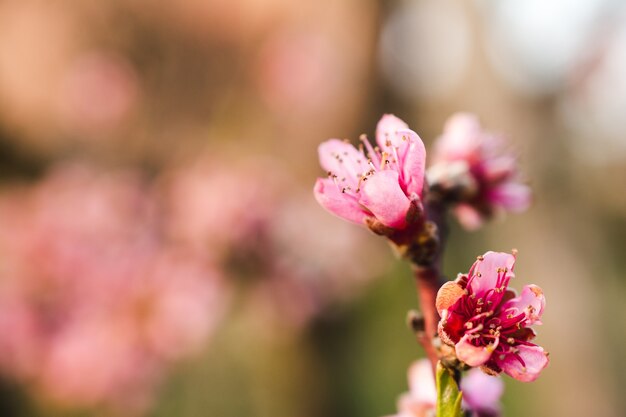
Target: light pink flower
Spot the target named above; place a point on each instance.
(481, 393)
(471, 162)
(488, 324)
(382, 185)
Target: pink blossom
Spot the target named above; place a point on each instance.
(488, 324)
(472, 163)
(383, 185)
(481, 393)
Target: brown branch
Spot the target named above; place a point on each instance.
(428, 283)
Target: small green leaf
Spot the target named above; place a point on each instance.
(448, 394)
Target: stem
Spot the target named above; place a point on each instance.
(428, 283)
(428, 280)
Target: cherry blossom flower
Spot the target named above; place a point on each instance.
(481, 393)
(488, 324)
(472, 168)
(383, 186)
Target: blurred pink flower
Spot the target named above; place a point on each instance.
(85, 276)
(471, 162)
(97, 92)
(297, 71)
(488, 324)
(214, 207)
(421, 399)
(481, 393)
(382, 186)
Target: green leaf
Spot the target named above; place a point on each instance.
(448, 394)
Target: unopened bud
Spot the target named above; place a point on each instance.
(415, 321)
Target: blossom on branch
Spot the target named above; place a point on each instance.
(472, 171)
(381, 187)
(489, 325)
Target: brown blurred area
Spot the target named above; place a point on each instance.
(243, 92)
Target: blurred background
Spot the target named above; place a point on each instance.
(161, 253)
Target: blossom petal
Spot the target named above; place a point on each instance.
(343, 205)
(381, 194)
(512, 196)
(460, 139)
(422, 382)
(481, 392)
(413, 161)
(486, 271)
(386, 130)
(473, 355)
(343, 160)
(468, 216)
(531, 302)
(535, 360)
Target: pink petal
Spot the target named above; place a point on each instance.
(343, 160)
(381, 194)
(531, 302)
(410, 407)
(499, 168)
(460, 139)
(473, 355)
(386, 130)
(481, 391)
(535, 360)
(413, 161)
(485, 270)
(511, 196)
(422, 382)
(340, 204)
(468, 216)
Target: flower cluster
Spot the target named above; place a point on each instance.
(474, 173)
(488, 325)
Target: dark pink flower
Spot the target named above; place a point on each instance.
(488, 324)
(382, 184)
(471, 163)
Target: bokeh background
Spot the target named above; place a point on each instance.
(161, 253)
